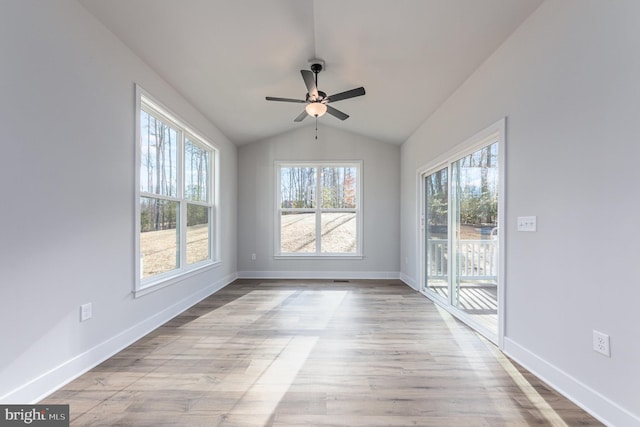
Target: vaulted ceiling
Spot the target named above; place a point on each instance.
(225, 56)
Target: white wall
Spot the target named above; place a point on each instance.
(381, 201)
(568, 82)
(67, 205)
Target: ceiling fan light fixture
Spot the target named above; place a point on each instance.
(316, 109)
(315, 99)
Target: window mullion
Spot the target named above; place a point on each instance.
(450, 230)
(183, 201)
(159, 196)
(318, 210)
(180, 169)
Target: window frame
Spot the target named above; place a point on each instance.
(142, 286)
(318, 210)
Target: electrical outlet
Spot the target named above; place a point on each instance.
(253, 257)
(85, 312)
(601, 343)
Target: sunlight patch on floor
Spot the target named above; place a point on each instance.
(537, 401)
(263, 396)
(527, 389)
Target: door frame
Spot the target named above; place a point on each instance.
(496, 132)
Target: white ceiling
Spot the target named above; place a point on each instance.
(225, 56)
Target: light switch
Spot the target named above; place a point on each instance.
(526, 223)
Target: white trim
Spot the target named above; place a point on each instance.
(172, 116)
(318, 210)
(501, 126)
(216, 215)
(409, 281)
(466, 147)
(316, 256)
(137, 267)
(164, 282)
(142, 286)
(361, 275)
(495, 131)
(52, 380)
(601, 407)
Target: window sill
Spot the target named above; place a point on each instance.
(155, 285)
(319, 257)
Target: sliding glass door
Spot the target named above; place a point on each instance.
(474, 215)
(461, 235)
(436, 221)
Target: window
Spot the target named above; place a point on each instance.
(176, 211)
(318, 209)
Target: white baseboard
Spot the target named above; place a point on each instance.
(409, 281)
(602, 408)
(50, 381)
(362, 275)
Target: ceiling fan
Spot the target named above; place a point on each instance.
(317, 100)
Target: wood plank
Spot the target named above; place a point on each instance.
(294, 353)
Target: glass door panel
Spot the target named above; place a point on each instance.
(474, 231)
(436, 229)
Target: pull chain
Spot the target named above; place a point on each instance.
(316, 128)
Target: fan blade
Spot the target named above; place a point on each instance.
(271, 98)
(310, 82)
(337, 113)
(346, 95)
(301, 116)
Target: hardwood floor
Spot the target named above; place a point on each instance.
(314, 353)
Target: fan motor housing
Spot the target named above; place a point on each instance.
(317, 64)
(321, 97)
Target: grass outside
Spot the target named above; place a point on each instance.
(160, 251)
(338, 235)
(338, 232)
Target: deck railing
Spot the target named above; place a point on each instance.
(476, 259)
